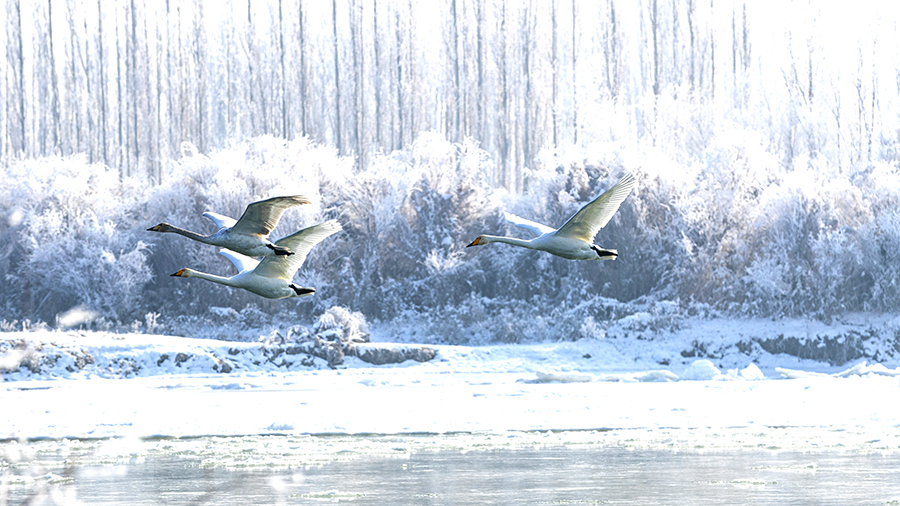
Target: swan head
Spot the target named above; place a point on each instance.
(162, 227)
(478, 241)
(182, 273)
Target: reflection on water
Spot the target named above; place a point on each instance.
(517, 468)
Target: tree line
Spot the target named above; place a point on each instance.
(126, 82)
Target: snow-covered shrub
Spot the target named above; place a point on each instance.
(346, 325)
(731, 231)
(73, 242)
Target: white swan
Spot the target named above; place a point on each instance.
(574, 240)
(272, 277)
(248, 235)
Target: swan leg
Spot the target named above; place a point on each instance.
(605, 254)
(280, 251)
(302, 291)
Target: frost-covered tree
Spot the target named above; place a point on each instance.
(126, 83)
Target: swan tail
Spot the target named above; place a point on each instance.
(605, 254)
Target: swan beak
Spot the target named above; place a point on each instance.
(476, 242)
(153, 229)
(180, 273)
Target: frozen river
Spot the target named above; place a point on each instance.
(498, 425)
(679, 466)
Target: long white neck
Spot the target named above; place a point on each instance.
(211, 277)
(190, 235)
(508, 240)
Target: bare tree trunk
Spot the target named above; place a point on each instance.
(230, 101)
(102, 87)
(134, 154)
(837, 118)
(87, 62)
(152, 98)
(554, 57)
(692, 49)
(74, 130)
(746, 40)
(453, 114)
(712, 62)
(528, 135)
(120, 107)
(676, 75)
(304, 128)
(19, 60)
(654, 26)
(400, 81)
(734, 49)
(160, 96)
(337, 81)
(258, 117)
(359, 82)
(379, 135)
(284, 88)
(54, 85)
(873, 102)
(574, 74)
(481, 110)
(202, 80)
(505, 115)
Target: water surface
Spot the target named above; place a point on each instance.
(509, 468)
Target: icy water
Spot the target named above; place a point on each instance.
(508, 468)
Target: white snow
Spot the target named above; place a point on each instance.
(702, 370)
(130, 391)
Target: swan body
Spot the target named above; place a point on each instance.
(271, 277)
(575, 239)
(248, 235)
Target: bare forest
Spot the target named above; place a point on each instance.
(766, 136)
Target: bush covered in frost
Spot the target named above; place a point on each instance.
(732, 231)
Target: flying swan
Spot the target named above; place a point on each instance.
(272, 277)
(248, 235)
(575, 239)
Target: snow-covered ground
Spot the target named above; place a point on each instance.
(135, 385)
(117, 417)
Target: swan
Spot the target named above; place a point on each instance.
(248, 235)
(573, 240)
(272, 277)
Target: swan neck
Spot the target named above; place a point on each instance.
(509, 240)
(190, 235)
(212, 277)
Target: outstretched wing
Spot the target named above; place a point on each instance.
(534, 227)
(261, 217)
(591, 218)
(300, 243)
(241, 262)
(220, 220)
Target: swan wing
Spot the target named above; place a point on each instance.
(300, 243)
(261, 217)
(220, 220)
(534, 227)
(241, 262)
(592, 217)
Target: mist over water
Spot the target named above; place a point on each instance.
(429, 470)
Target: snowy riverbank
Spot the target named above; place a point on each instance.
(177, 386)
(433, 398)
(95, 384)
(632, 347)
